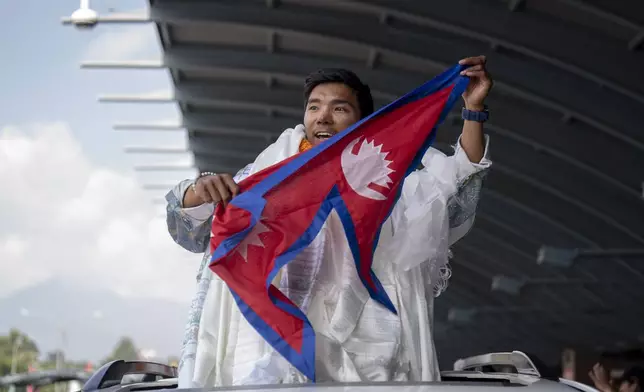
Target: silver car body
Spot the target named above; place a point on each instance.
(473, 374)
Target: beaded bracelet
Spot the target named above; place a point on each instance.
(204, 174)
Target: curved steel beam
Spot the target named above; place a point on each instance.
(387, 82)
(506, 332)
(465, 278)
(535, 320)
(478, 276)
(133, 127)
(229, 142)
(508, 264)
(486, 192)
(478, 295)
(196, 95)
(481, 336)
(457, 343)
(529, 182)
(484, 258)
(498, 249)
(571, 200)
(523, 328)
(123, 64)
(289, 65)
(231, 156)
(365, 32)
(494, 240)
(579, 184)
(119, 18)
(610, 180)
(537, 214)
(482, 14)
(510, 233)
(253, 125)
(155, 150)
(554, 223)
(497, 240)
(511, 230)
(578, 313)
(458, 295)
(603, 14)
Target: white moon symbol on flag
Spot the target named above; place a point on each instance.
(368, 166)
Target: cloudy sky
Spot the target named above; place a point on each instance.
(71, 207)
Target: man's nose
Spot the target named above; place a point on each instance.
(324, 116)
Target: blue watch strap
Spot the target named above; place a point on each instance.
(470, 115)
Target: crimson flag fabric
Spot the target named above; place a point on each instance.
(359, 173)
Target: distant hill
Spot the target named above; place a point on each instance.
(90, 322)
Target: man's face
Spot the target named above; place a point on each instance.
(331, 108)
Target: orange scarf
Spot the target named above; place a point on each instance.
(305, 145)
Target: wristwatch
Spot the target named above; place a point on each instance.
(471, 115)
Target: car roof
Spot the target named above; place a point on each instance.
(474, 382)
(469, 375)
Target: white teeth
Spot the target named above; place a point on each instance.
(323, 134)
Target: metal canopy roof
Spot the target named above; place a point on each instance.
(566, 127)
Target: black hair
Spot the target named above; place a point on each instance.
(344, 76)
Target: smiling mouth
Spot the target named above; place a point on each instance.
(323, 135)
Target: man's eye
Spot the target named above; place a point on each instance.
(313, 107)
(340, 109)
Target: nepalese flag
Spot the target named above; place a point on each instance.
(280, 210)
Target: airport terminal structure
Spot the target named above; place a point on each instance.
(556, 257)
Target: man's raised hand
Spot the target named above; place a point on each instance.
(480, 82)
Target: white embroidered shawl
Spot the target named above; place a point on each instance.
(357, 339)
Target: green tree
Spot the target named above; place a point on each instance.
(19, 347)
(125, 350)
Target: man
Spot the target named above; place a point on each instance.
(356, 338)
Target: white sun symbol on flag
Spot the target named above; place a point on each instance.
(368, 166)
(252, 238)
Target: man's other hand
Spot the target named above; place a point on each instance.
(211, 189)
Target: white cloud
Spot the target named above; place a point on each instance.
(64, 218)
(124, 43)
